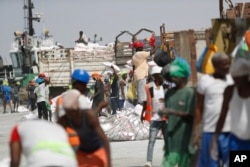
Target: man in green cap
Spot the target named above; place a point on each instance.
(179, 109)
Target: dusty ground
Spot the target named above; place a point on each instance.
(124, 154)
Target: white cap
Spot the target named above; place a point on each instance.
(155, 70)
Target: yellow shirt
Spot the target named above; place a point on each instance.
(139, 60)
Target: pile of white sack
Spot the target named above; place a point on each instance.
(124, 126)
(92, 46)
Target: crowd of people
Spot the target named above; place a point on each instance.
(200, 125)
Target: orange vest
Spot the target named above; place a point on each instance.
(74, 140)
(149, 108)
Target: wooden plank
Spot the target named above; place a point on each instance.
(192, 39)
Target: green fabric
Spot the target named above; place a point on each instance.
(48, 106)
(122, 73)
(179, 130)
(180, 68)
(243, 51)
(54, 146)
(175, 159)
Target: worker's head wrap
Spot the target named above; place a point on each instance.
(123, 72)
(179, 68)
(32, 82)
(70, 99)
(96, 76)
(5, 82)
(240, 67)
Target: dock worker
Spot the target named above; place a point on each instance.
(43, 143)
(210, 89)
(7, 96)
(41, 99)
(236, 102)
(82, 38)
(98, 96)
(140, 67)
(157, 123)
(179, 109)
(94, 146)
(15, 92)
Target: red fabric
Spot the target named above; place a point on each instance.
(42, 75)
(138, 44)
(14, 135)
(131, 72)
(152, 41)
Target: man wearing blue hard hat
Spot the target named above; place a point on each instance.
(94, 146)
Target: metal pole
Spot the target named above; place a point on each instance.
(221, 8)
(30, 19)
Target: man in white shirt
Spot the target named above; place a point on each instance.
(43, 144)
(236, 103)
(157, 122)
(41, 99)
(210, 91)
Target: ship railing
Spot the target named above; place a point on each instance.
(7, 74)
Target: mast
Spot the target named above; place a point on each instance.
(30, 18)
(28, 6)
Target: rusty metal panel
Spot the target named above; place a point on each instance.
(185, 44)
(193, 57)
(182, 44)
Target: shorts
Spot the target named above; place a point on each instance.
(236, 144)
(223, 151)
(7, 98)
(140, 90)
(16, 99)
(97, 158)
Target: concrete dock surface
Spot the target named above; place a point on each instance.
(124, 154)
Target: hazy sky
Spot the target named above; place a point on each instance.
(106, 18)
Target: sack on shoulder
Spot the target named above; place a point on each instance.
(163, 58)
